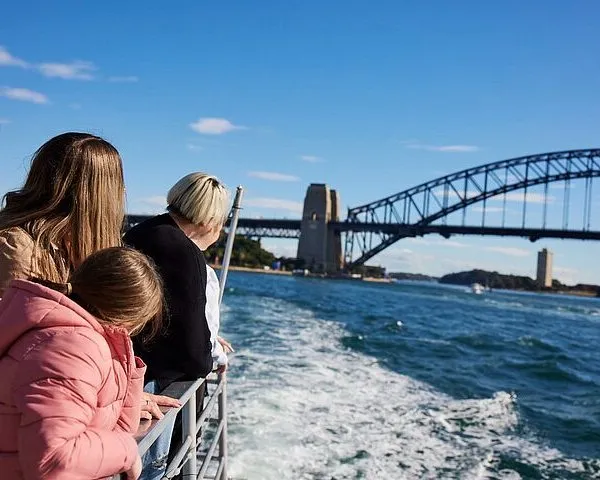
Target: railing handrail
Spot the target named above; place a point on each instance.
(185, 456)
(145, 435)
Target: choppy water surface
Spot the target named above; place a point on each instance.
(348, 380)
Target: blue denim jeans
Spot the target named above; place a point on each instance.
(154, 461)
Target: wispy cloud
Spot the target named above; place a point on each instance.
(75, 106)
(4, 121)
(23, 95)
(214, 126)
(76, 70)
(310, 158)
(192, 147)
(274, 176)
(275, 204)
(124, 79)
(8, 60)
(531, 197)
(442, 148)
(488, 209)
(68, 71)
(510, 251)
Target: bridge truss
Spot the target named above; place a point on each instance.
(255, 228)
(375, 226)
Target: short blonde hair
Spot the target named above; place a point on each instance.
(200, 199)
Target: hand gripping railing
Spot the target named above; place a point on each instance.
(185, 459)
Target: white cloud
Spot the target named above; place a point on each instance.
(310, 158)
(487, 209)
(214, 126)
(75, 106)
(275, 204)
(274, 176)
(23, 95)
(7, 60)
(69, 71)
(531, 197)
(4, 121)
(443, 148)
(510, 251)
(125, 79)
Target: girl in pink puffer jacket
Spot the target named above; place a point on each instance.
(71, 386)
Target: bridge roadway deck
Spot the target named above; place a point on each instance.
(267, 227)
(419, 230)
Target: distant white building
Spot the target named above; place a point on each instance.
(544, 268)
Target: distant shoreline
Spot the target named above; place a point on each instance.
(253, 270)
(288, 273)
(574, 293)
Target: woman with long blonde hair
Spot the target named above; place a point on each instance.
(71, 205)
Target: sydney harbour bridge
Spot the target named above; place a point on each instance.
(475, 201)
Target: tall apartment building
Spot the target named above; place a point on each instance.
(544, 268)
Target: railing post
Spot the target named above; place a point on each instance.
(188, 428)
(223, 418)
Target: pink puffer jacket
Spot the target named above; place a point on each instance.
(70, 389)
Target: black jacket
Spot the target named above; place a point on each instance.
(183, 350)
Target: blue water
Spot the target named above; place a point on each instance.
(344, 380)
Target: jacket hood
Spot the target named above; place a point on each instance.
(27, 306)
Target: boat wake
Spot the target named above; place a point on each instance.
(302, 406)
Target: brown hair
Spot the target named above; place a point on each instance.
(119, 286)
(72, 203)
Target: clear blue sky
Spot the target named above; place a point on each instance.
(277, 94)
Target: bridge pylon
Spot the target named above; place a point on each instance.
(320, 247)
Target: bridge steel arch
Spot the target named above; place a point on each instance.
(420, 206)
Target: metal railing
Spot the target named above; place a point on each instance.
(185, 458)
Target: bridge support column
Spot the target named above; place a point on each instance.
(319, 247)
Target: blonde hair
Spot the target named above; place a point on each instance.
(119, 286)
(200, 199)
(72, 203)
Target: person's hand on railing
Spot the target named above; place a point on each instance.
(227, 348)
(151, 405)
(135, 471)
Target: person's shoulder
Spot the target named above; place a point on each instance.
(159, 229)
(15, 238)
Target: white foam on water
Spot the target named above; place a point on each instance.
(302, 406)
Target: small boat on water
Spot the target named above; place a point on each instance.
(477, 288)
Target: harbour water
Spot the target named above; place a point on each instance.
(348, 380)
